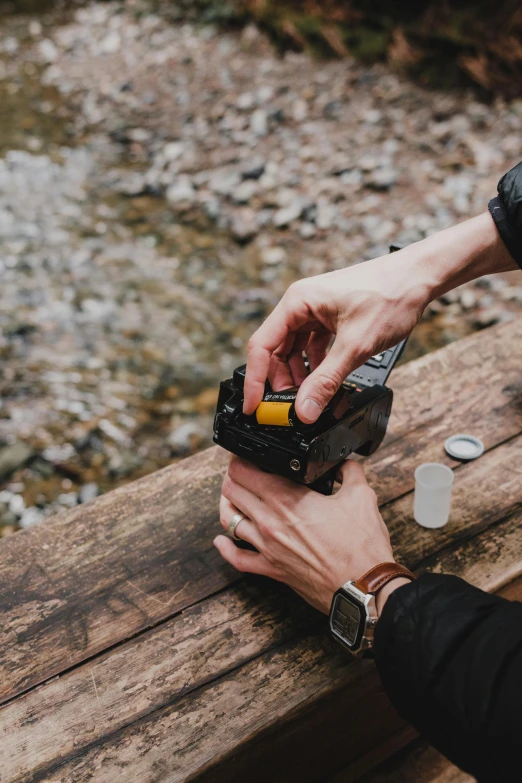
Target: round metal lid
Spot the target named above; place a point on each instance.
(464, 447)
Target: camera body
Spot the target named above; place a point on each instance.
(354, 421)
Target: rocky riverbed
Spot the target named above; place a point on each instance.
(161, 184)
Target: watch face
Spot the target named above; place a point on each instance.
(346, 620)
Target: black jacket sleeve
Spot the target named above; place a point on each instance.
(506, 210)
(450, 658)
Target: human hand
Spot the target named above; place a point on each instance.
(309, 541)
(368, 308)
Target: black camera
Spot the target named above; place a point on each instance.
(274, 438)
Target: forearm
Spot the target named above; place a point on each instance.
(456, 255)
(450, 658)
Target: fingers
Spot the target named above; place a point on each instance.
(290, 315)
(320, 386)
(287, 366)
(242, 559)
(246, 530)
(296, 360)
(271, 491)
(279, 373)
(241, 487)
(270, 335)
(317, 348)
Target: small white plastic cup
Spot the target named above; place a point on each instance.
(432, 499)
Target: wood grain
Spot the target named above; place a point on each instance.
(206, 642)
(473, 385)
(418, 763)
(174, 669)
(100, 573)
(224, 656)
(484, 492)
(96, 575)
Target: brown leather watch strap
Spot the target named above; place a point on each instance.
(378, 576)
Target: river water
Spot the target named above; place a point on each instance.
(160, 187)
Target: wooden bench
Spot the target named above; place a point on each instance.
(130, 652)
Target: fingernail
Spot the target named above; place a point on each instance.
(214, 542)
(311, 409)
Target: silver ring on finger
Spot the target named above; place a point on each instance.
(234, 522)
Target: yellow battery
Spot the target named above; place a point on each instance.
(276, 414)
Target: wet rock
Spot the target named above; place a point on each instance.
(326, 215)
(244, 225)
(468, 299)
(273, 255)
(111, 43)
(185, 438)
(48, 51)
(259, 122)
(246, 101)
(113, 432)
(17, 505)
(131, 185)
(244, 192)
(88, 492)
(368, 163)
(435, 307)
(42, 467)
(224, 182)
(181, 191)
(450, 297)
(124, 463)
(212, 208)
(172, 151)
(486, 302)
(381, 179)
(300, 110)
(512, 293)
(307, 231)
(67, 499)
(288, 214)
(253, 169)
(332, 110)
(486, 318)
(31, 516)
(14, 457)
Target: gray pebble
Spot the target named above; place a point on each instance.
(31, 516)
(253, 169)
(88, 492)
(287, 214)
(381, 179)
(244, 225)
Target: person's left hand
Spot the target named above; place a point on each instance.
(311, 542)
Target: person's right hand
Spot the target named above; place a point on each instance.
(368, 308)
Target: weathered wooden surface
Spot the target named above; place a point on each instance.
(173, 668)
(419, 763)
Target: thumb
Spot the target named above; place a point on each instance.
(320, 386)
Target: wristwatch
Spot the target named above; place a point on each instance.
(353, 615)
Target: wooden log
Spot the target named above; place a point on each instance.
(473, 385)
(484, 492)
(102, 572)
(201, 688)
(419, 763)
(96, 575)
